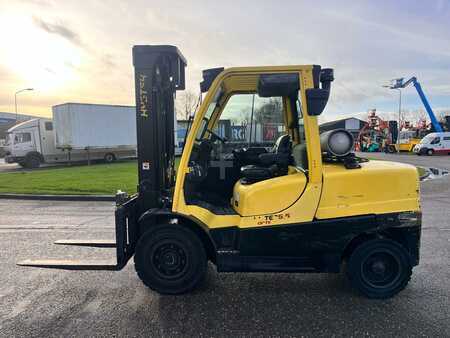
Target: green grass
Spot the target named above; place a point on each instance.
(102, 179)
(96, 179)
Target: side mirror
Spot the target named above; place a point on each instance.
(209, 75)
(317, 98)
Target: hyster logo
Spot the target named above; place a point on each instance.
(143, 96)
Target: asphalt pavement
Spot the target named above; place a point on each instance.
(8, 166)
(52, 303)
(435, 161)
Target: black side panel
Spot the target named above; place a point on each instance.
(314, 246)
(322, 241)
(305, 238)
(318, 245)
(232, 262)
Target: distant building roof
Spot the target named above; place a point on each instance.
(331, 123)
(352, 124)
(11, 117)
(7, 120)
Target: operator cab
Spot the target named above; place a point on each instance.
(251, 134)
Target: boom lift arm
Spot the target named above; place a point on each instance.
(399, 83)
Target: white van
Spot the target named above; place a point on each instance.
(434, 143)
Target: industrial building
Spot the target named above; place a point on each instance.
(7, 120)
(351, 124)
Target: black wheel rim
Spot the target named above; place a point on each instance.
(169, 259)
(381, 270)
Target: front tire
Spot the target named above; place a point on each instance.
(32, 161)
(430, 152)
(391, 149)
(379, 268)
(170, 259)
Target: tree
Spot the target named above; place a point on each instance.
(270, 112)
(243, 117)
(185, 105)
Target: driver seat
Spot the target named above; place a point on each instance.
(273, 164)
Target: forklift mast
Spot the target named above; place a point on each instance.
(159, 73)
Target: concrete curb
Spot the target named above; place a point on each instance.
(58, 197)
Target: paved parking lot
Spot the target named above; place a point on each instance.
(52, 303)
(7, 166)
(437, 161)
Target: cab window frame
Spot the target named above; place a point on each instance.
(216, 116)
(19, 137)
(436, 140)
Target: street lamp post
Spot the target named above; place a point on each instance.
(399, 109)
(15, 99)
(399, 113)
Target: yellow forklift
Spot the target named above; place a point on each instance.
(307, 204)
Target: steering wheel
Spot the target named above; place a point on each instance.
(217, 137)
(196, 172)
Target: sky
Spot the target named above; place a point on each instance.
(80, 51)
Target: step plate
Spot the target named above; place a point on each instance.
(94, 243)
(70, 264)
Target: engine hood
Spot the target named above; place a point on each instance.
(378, 187)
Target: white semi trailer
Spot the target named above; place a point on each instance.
(78, 132)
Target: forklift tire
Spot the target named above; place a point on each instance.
(170, 259)
(32, 161)
(379, 268)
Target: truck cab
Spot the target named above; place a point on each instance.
(30, 143)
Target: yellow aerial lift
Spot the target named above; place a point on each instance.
(306, 205)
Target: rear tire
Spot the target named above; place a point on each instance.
(430, 152)
(379, 268)
(170, 259)
(109, 158)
